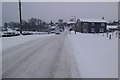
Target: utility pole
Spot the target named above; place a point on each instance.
(20, 17)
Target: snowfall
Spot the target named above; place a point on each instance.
(96, 54)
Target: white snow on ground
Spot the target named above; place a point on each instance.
(96, 55)
(8, 42)
(0, 58)
(119, 58)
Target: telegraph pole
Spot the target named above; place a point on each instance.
(20, 16)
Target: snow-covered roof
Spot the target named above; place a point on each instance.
(52, 27)
(92, 20)
(109, 26)
(71, 22)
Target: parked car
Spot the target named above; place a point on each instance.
(57, 31)
(10, 34)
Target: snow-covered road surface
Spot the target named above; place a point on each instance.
(49, 57)
(68, 55)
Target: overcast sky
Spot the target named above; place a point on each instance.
(48, 11)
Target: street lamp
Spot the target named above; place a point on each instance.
(20, 16)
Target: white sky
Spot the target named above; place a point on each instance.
(61, 0)
(55, 10)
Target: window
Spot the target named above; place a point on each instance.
(92, 24)
(102, 24)
(92, 30)
(85, 24)
(101, 30)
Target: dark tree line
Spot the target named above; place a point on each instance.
(32, 24)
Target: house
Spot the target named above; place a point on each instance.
(71, 24)
(91, 26)
(52, 29)
(112, 28)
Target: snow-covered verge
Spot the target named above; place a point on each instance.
(96, 55)
(119, 59)
(0, 58)
(8, 42)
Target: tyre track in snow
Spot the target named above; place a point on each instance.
(19, 55)
(47, 58)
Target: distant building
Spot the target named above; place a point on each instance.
(112, 28)
(91, 26)
(52, 29)
(71, 24)
(51, 24)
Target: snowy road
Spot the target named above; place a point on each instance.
(60, 56)
(49, 57)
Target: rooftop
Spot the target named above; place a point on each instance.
(71, 22)
(92, 20)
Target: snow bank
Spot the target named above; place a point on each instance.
(8, 42)
(96, 55)
(0, 58)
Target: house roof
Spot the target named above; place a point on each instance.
(92, 20)
(112, 27)
(52, 27)
(71, 22)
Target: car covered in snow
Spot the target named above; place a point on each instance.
(57, 32)
(10, 34)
